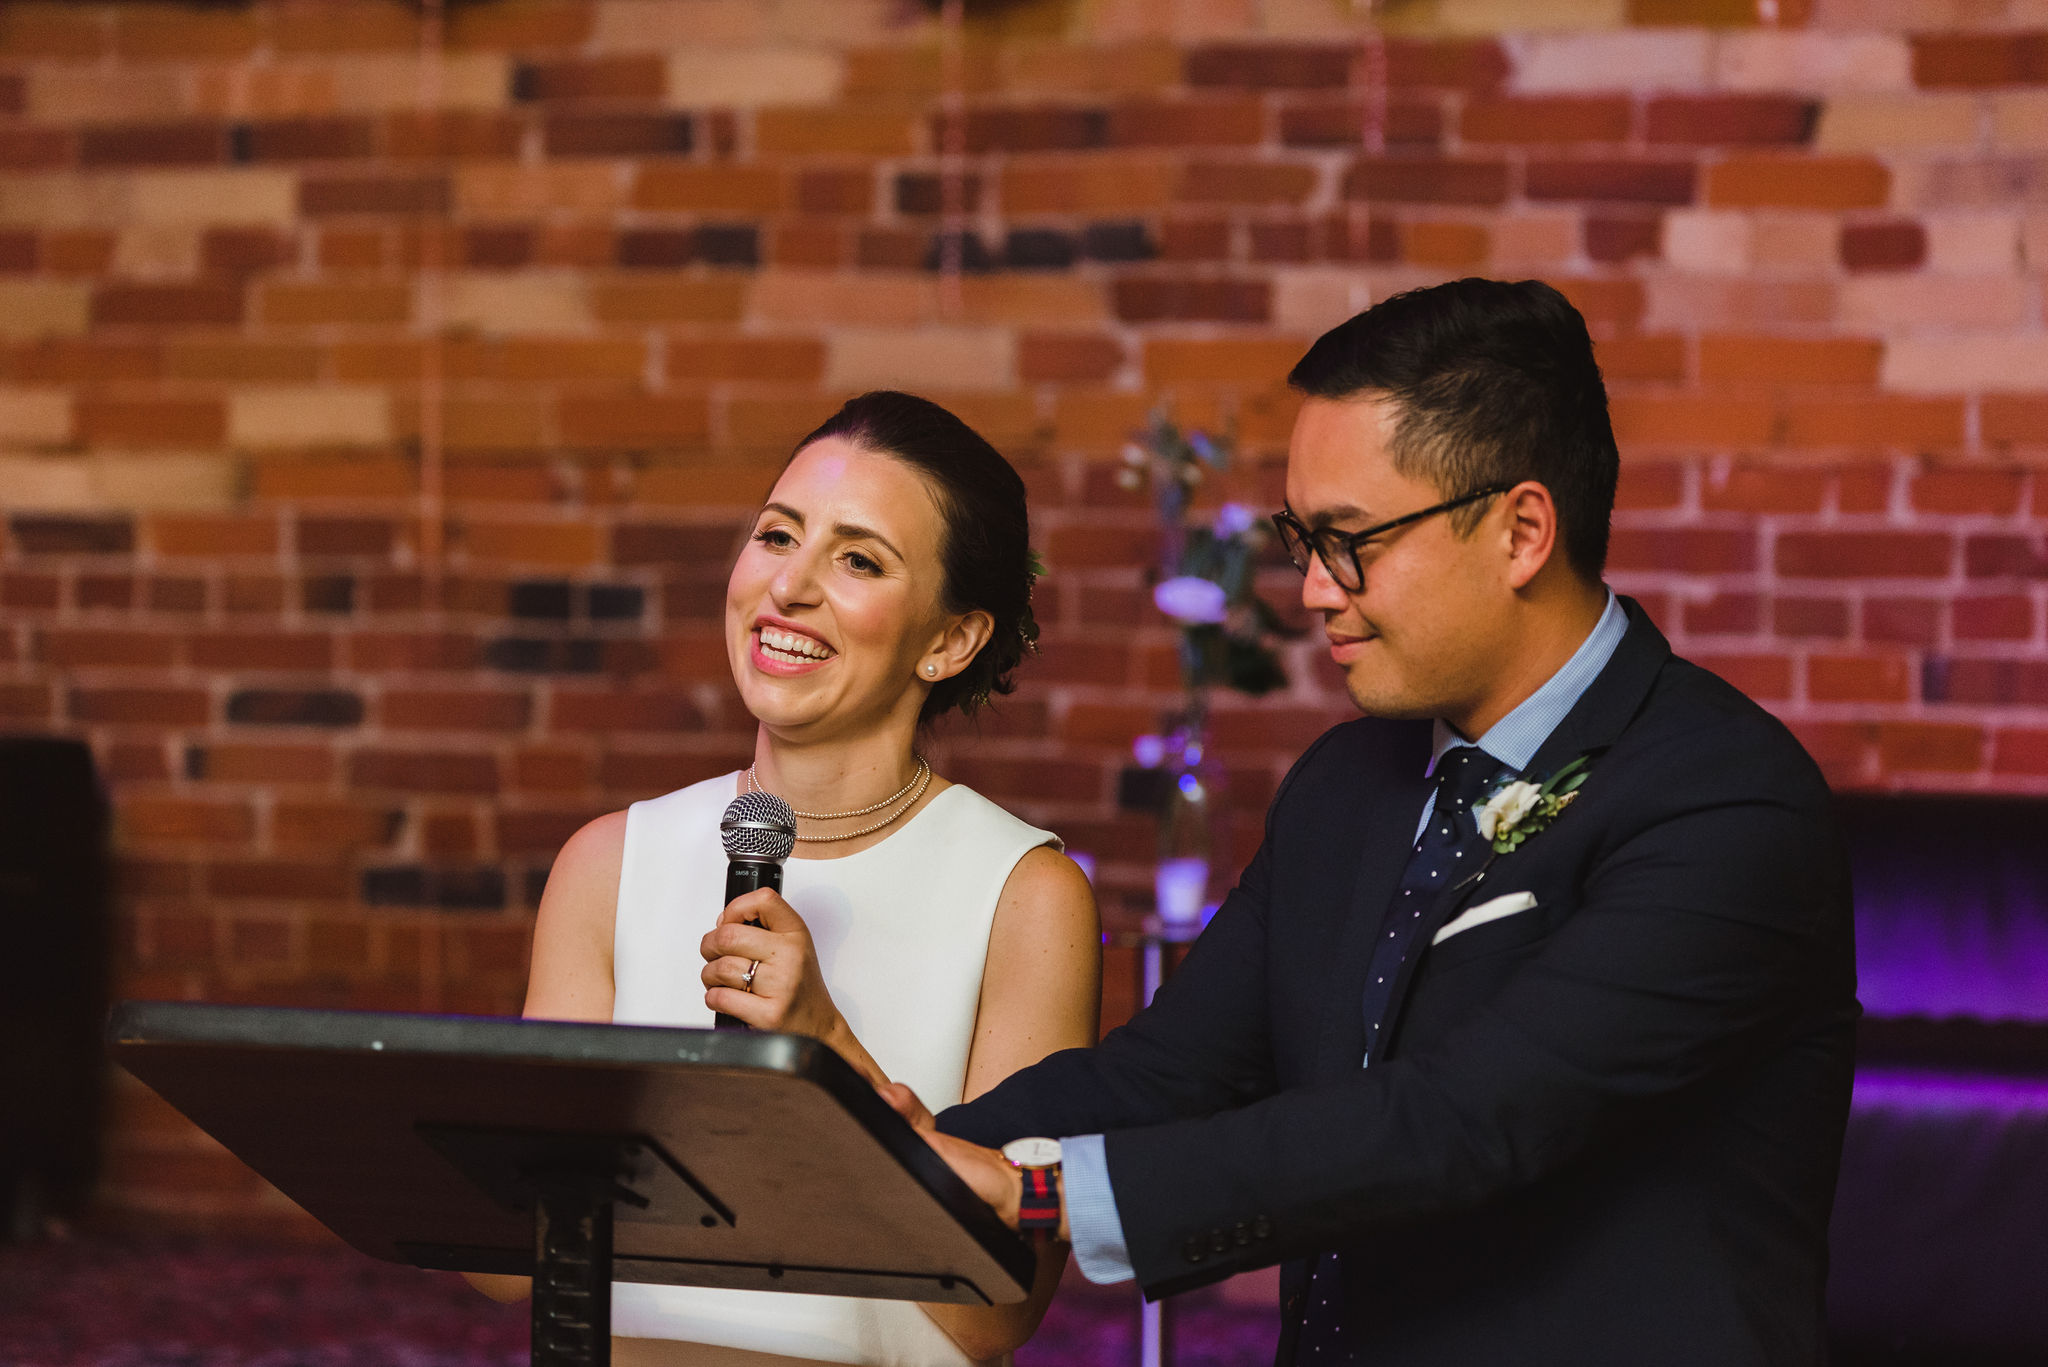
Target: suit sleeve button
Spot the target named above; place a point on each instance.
(1262, 1228)
(1219, 1240)
(1241, 1234)
(1192, 1249)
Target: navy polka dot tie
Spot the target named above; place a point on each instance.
(1448, 851)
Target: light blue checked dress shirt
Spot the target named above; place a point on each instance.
(1092, 1219)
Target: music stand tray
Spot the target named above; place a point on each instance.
(580, 1154)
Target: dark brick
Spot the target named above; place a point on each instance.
(919, 194)
(657, 248)
(616, 602)
(1053, 129)
(527, 655)
(305, 140)
(898, 249)
(153, 144)
(13, 92)
(729, 244)
(405, 886)
(72, 535)
(835, 192)
(1341, 123)
(1622, 237)
(295, 707)
(1899, 246)
(328, 593)
(410, 885)
(1283, 240)
(345, 536)
(548, 598)
(19, 251)
(1447, 64)
(36, 149)
(157, 304)
(1980, 59)
(1117, 242)
(427, 194)
(618, 135)
(1271, 66)
(1637, 182)
(1427, 181)
(243, 251)
(1039, 249)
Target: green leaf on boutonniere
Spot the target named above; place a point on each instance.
(1519, 808)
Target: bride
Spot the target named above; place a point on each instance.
(927, 935)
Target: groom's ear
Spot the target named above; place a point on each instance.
(1530, 531)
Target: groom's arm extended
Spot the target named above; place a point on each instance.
(1701, 941)
(1201, 1046)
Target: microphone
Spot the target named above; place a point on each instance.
(758, 831)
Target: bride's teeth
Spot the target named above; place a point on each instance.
(787, 643)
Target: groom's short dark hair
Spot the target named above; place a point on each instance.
(1494, 383)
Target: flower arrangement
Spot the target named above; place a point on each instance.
(1228, 632)
(1519, 809)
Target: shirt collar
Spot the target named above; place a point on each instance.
(1515, 738)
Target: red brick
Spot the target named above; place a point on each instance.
(1730, 120)
(317, 27)
(1213, 122)
(1452, 245)
(1989, 683)
(471, 709)
(2014, 419)
(1932, 746)
(1246, 182)
(230, 762)
(154, 33)
(157, 305)
(1419, 180)
(63, 32)
(1194, 239)
(1694, 550)
(23, 702)
(1271, 66)
(1994, 617)
(1154, 298)
(1340, 122)
(1606, 303)
(1457, 64)
(1691, 419)
(795, 360)
(1798, 183)
(1897, 246)
(31, 591)
(20, 251)
(2016, 751)
(1902, 621)
(1556, 118)
(172, 820)
(259, 650)
(618, 134)
(1765, 359)
(636, 76)
(1968, 491)
(238, 251)
(152, 422)
(1863, 489)
(522, 24)
(324, 303)
(321, 196)
(307, 139)
(453, 133)
(63, 361)
(276, 879)
(1616, 237)
(1660, 357)
(423, 771)
(86, 649)
(1865, 555)
(207, 534)
(1043, 128)
(1718, 13)
(2005, 557)
(1875, 423)
(1751, 488)
(1069, 357)
(1980, 59)
(1634, 182)
(37, 149)
(635, 422)
(1726, 614)
(1859, 678)
(1650, 484)
(146, 706)
(1246, 361)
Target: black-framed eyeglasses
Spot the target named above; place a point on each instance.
(1339, 550)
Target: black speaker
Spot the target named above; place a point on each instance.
(55, 938)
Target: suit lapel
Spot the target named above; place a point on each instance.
(1607, 706)
(1386, 837)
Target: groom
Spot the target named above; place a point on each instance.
(1544, 1074)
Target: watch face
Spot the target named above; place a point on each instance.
(1032, 1153)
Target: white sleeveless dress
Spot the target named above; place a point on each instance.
(901, 930)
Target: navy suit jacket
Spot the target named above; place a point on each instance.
(1604, 1131)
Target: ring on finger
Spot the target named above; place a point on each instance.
(748, 977)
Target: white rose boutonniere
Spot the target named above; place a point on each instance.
(1519, 808)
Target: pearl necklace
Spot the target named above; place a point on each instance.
(919, 781)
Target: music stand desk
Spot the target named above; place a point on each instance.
(579, 1154)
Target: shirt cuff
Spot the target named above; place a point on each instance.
(1096, 1229)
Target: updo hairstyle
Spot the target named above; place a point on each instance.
(985, 543)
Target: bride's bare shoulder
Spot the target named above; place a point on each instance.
(587, 867)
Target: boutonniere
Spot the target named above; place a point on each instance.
(1519, 809)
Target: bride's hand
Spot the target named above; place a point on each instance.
(788, 991)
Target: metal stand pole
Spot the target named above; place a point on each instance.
(1155, 1327)
(572, 1273)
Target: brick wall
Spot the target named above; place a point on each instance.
(379, 392)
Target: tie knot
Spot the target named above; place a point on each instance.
(1461, 776)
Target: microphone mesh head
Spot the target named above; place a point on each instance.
(758, 826)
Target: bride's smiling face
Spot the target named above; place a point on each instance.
(834, 602)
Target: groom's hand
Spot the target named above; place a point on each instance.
(988, 1173)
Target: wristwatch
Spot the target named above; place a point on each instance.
(1038, 1209)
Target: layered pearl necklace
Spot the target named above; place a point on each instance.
(912, 790)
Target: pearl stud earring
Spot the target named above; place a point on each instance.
(932, 670)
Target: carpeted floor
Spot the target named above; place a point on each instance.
(99, 1302)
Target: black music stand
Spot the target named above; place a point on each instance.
(579, 1154)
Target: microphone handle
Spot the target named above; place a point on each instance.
(743, 876)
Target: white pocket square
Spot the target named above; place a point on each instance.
(1484, 912)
